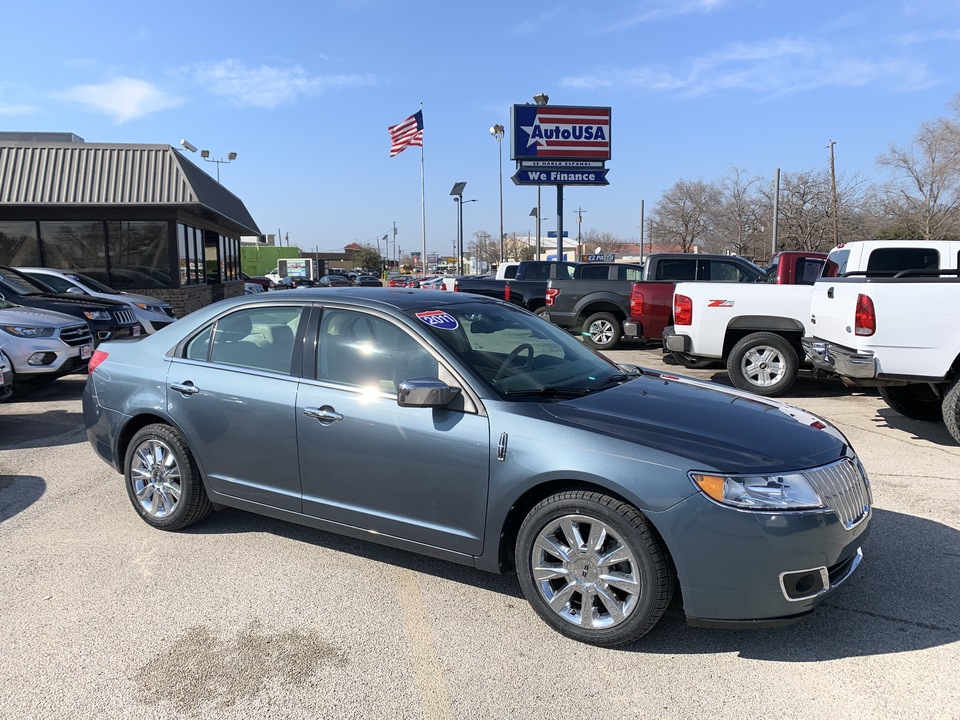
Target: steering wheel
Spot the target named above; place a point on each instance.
(508, 361)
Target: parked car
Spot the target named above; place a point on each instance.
(250, 288)
(368, 281)
(150, 312)
(399, 280)
(334, 280)
(41, 343)
(6, 378)
(107, 319)
(604, 487)
(263, 281)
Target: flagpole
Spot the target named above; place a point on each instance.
(423, 212)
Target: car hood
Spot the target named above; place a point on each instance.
(714, 426)
(36, 316)
(75, 300)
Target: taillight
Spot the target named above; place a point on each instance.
(551, 294)
(98, 357)
(506, 292)
(682, 310)
(865, 323)
(636, 302)
(456, 286)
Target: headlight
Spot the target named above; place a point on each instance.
(96, 314)
(150, 308)
(28, 332)
(760, 492)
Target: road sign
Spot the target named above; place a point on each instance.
(560, 176)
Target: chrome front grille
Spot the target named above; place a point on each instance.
(76, 335)
(844, 488)
(125, 317)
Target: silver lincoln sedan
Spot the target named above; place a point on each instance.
(606, 489)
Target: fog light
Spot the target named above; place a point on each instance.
(42, 358)
(804, 584)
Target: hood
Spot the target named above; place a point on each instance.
(36, 316)
(76, 300)
(713, 426)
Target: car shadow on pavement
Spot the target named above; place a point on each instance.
(904, 597)
(18, 492)
(932, 431)
(36, 429)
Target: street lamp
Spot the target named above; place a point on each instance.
(205, 154)
(541, 98)
(497, 132)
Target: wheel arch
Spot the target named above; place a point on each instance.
(521, 507)
(597, 306)
(137, 423)
(787, 328)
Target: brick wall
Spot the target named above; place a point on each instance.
(193, 297)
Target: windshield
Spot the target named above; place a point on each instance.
(517, 353)
(93, 284)
(21, 284)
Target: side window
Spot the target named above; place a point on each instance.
(255, 338)
(633, 274)
(722, 271)
(367, 351)
(594, 272)
(889, 261)
(679, 269)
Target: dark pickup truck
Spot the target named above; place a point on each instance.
(528, 289)
(107, 319)
(605, 310)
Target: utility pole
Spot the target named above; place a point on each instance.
(579, 211)
(836, 204)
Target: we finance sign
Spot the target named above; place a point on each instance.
(549, 132)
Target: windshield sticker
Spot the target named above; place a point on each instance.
(439, 319)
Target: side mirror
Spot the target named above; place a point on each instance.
(76, 290)
(425, 392)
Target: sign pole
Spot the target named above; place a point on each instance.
(559, 223)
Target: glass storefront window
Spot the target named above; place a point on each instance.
(190, 255)
(74, 245)
(18, 244)
(138, 254)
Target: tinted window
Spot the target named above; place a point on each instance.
(889, 261)
(723, 271)
(808, 270)
(676, 269)
(594, 272)
(367, 351)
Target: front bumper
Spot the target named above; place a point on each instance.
(833, 358)
(772, 568)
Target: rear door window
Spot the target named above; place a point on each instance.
(890, 261)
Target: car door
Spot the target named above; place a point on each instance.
(420, 474)
(232, 388)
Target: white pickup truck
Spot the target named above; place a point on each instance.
(893, 325)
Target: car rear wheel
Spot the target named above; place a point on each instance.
(162, 479)
(763, 363)
(917, 402)
(602, 331)
(592, 568)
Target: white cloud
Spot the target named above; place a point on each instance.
(268, 87)
(774, 67)
(14, 110)
(123, 98)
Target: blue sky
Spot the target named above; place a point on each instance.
(304, 92)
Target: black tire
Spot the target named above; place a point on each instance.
(692, 363)
(951, 410)
(541, 311)
(763, 363)
(162, 479)
(602, 331)
(917, 402)
(638, 600)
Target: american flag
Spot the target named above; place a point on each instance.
(408, 132)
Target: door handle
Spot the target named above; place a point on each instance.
(187, 388)
(326, 414)
(830, 293)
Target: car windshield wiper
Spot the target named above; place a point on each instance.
(612, 380)
(550, 391)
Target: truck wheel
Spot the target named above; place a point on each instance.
(763, 363)
(951, 410)
(602, 331)
(917, 402)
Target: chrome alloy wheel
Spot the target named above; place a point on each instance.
(155, 478)
(763, 366)
(585, 572)
(601, 332)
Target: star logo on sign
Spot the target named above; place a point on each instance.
(539, 142)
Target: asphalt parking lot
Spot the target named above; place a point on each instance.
(245, 617)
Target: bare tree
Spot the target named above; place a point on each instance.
(607, 242)
(740, 219)
(515, 248)
(924, 193)
(685, 214)
(483, 248)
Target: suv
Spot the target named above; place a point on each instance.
(152, 313)
(107, 319)
(41, 343)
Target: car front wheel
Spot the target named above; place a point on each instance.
(162, 479)
(592, 568)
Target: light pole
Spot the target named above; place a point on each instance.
(205, 154)
(497, 132)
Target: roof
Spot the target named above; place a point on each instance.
(107, 174)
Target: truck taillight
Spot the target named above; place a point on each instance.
(636, 302)
(456, 286)
(506, 292)
(682, 310)
(551, 294)
(865, 323)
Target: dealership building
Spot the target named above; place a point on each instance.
(141, 218)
